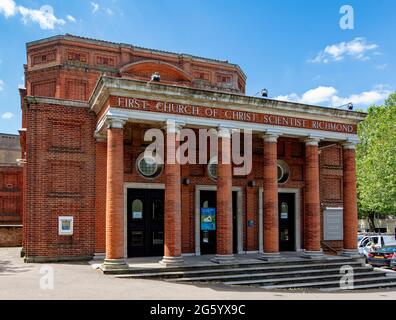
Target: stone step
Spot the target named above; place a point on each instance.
(268, 275)
(376, 285)
(246, 269)
(359, 283)
(240, 264)
(301, 280)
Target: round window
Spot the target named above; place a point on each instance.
(148, 167)
(283, 171)
(212, 168)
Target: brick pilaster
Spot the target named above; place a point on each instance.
(350, 199)
(224, 245)
(172, 223)
(312, 198)
(115, 197)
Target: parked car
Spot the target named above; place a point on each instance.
(374, 242)
(382, 257)
(393, 262)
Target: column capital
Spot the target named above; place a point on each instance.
(271, 136)
(172, 126)
(349, 144)
(100, 137)
(115, 123)
(312, 141)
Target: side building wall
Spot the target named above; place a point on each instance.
(60, 181)
(10, 206)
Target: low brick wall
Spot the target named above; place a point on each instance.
(10, 236)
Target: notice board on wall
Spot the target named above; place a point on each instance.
(333, 226)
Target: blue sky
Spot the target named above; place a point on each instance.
(294, 48)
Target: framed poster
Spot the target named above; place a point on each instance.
(208, 219)
(65, 227)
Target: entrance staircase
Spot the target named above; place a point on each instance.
(323, 274)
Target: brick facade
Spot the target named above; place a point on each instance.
(72, 168)
(11, 191)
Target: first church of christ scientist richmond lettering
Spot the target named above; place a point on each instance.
(229, 114)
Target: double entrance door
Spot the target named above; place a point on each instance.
(208, 222)
(145, 222)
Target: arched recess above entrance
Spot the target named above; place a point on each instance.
(143, 70)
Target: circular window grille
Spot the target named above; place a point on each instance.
(148, 167)
(283, 171)
(212, 168)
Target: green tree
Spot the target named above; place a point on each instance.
(376, 161)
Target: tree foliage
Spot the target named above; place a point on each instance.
(376, 160)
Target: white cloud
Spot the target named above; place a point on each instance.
(8, 8)
(320, 94)
(70, 18)
(327, 96)
(382, 66)
(7, 116)
(95, 7)
(44, 16)
(1, 85)
(358, 49)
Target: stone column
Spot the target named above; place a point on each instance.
(312, 247)
(350, 200)
(224, 238)
(271, 214)
(115, 256)
(172, 221)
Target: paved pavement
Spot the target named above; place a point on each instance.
(80, 281)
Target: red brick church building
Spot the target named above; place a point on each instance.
(90, 191)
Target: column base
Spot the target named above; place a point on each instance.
(352, 253)
(313, 254)
(99, 256)
(224, 259)
(269, 256)
(172, 261)
(114, 265)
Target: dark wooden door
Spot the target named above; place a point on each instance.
(208, 237)
(287, 222)
(145, 222)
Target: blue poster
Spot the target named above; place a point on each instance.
(208, 219)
